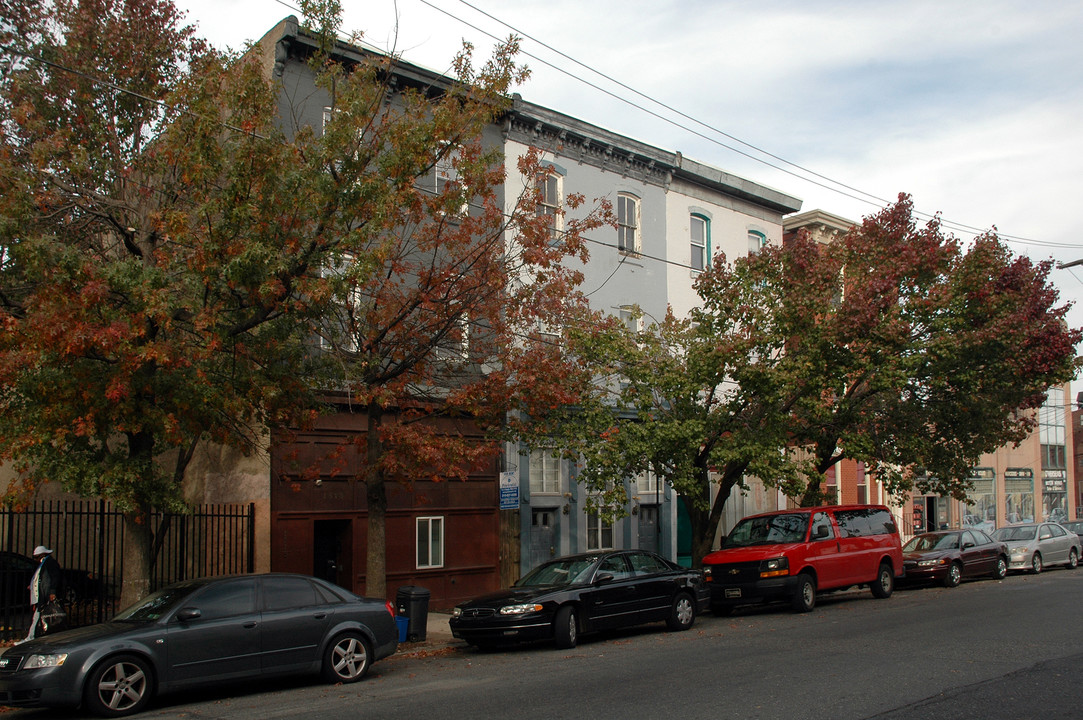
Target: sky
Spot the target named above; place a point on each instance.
(973, 108)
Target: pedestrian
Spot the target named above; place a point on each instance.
(44, 585)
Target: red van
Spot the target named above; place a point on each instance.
(794, 554)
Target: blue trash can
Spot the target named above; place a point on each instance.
(404, 626)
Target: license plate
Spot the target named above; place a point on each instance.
(733, 592)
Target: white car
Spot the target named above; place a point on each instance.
(1034, 545)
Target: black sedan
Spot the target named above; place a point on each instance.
(199, 632)
(583, 593)
(948, 556)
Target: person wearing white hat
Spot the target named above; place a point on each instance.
(43, 586)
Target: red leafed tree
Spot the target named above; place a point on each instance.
(171, 247)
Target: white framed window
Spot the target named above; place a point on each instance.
(699, 235)
(599, 533)
(628, 236)
(544, 472)
(430, 542)
(646, 483)
(550, 191)
(445, 170)
(756, 241)
(629, 318)
(338, 329)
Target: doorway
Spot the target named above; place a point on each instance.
(332, 552)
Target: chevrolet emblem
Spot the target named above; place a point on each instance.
(734, 571)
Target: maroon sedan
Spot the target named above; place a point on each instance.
(948, 556)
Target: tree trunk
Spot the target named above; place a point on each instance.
(136, 556)
(376, 494)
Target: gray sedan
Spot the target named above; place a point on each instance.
(199, 632)
(1032, 546)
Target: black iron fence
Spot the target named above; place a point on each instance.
(87, 536)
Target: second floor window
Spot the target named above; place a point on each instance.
(698, 238)
(628, 223)
(544, 471)
(756, 241)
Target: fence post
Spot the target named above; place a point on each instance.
(251, 537)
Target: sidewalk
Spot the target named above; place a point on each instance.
(437, 637)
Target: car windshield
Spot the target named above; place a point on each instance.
(932, 542)
(1075, 526)
(559, 572)
(1016, 533)
(769, 530)
(157, 604)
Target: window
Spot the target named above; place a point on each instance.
(599, 533)
(821, 527)
(455, 345)
(544, 471)
(615, 566)
(647, 483)
(338, 328)
(228, 599)
(699, 232)
(647, 564)
(445, 171)
(853, 523)
(430, 542)
(628, 223)
(629, 318)
(446, 180)
(756, 241)
(549, 190)
(283, 593)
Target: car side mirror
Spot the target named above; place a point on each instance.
(603, 577)
(967, 545)
(189, 613)
(819, 533)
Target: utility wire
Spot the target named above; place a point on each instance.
(835, 185)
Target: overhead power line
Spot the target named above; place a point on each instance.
(823, 181)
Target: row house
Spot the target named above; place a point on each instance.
(674, 217)
(457, 539)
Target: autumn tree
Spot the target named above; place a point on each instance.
(174, 250)
(459, 312)
(896, 347)
(942, 352)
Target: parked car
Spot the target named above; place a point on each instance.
(1036, 545)
(794, 554)
(948, 556)
(16, 570)
(199, 632)
(564, 598)
(1075, 526)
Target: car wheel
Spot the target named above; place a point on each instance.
(885, 582)
(565, 631)
(682, 614)
(346, 659)
(953, 576)
(1001, 570)
(1036, 563)
(1073, 559)
(804, 596)
(121, 685)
